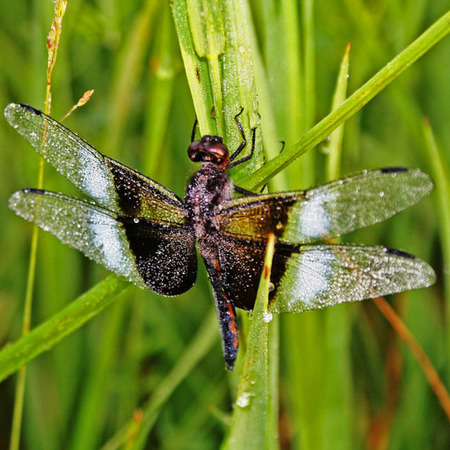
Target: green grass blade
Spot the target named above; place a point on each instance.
(45, 336)
(309, 65)
(196, 69)
(334, 149)
(239, 84)
(161, 84)
(252, 424)
(206, 24)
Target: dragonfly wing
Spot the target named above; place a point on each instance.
(317, 276)
(110, 183)
(326, 211)
(151, 255)
(308, 277)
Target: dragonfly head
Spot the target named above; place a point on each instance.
(209, 149)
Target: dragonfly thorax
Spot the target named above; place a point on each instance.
(207, 188)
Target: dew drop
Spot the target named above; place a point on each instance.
(243, 400)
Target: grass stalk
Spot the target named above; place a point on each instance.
(52, 46)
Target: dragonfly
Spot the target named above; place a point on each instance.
(140, 230)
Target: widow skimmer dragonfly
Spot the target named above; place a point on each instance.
(142, 231)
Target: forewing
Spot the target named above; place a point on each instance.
(108, 182)
(326, 211)
(316, 276)
(155, 256)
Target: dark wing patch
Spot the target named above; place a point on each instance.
(165, 256)
(139, 196)
(241, 263)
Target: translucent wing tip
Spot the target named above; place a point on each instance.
(25, 202)
(14, 200)
(420, 181)
(421, 274)
(11, 113)
(423, 180)
(15, 112)
(427, 275)
(17, 202)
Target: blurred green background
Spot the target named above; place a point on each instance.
(346, 380)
